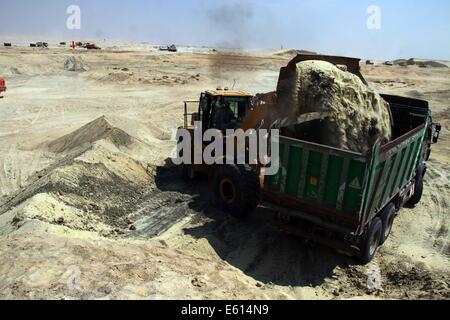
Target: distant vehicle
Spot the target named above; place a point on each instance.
(2, 86)
(33, 45)
(7, 44)
(42, 44)
(79, 44)
(62, 43)
(369, 62)
(91, 46)
(172, 48)
(388, 63)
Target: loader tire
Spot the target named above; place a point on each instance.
(387, 217)
(236, 189)
(371, 241)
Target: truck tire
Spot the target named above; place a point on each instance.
(371, 241)
(387, 217)
(418, 190)
(236, 189)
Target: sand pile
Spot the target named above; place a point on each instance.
(96, 130)
(352, 115)
(431, 64)
(124, 76)
(99, 184)
(47, 208)
(75, 64)
(92, 190)
(139, 141)
(422, 64)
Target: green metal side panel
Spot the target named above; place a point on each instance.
(344, 181)
(313, 176)
(392, 174)
(388, 169)
(333, 180)
(412, 160)
(295, 156)
(273, 183)
(355, 180)
(399, 172)
(319, 175)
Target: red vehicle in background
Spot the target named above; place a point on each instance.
(2, 86)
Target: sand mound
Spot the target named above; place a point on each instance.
(75, 64)
(431, 64)
(139, 141)
(49, 209)
(94, 131)
(422, 64)
(98, 185)
(13, 71)
(124, 76)
(352, 115)
(94, 190)
(118, 77)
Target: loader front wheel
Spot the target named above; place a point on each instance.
(236, 189)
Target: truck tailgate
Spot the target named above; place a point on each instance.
(319, 180)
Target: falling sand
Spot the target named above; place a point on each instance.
(351, 115)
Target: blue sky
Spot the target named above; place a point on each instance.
(418, 28)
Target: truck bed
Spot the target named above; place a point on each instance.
(343, 190)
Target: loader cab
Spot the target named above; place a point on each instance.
(223, 109)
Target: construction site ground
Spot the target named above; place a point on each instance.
(91, 207)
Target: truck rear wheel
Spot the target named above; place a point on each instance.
(418, 190)
(371, 241)
(387, 218)
(236, 189)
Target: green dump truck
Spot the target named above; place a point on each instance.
(348, 200)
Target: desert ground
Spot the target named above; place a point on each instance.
(91, 207)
